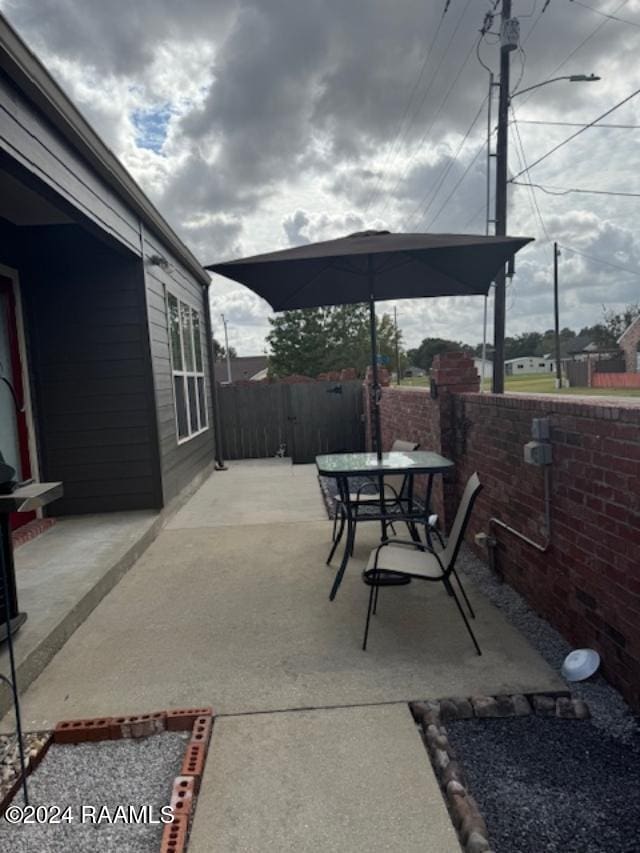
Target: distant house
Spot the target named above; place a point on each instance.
(529, 364)
(244, 368)
(412, 370)
(579, 348)
(629, 342)
(104, 326)
(488, 367)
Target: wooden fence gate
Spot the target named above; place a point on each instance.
(307, 418)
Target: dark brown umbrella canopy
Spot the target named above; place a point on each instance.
(374, 265)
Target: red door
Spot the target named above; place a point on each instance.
(14, 433)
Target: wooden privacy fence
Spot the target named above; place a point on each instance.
(307, 418)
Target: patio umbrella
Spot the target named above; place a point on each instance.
(370, 266)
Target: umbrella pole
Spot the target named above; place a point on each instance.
(374, 361)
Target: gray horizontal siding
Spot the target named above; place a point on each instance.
(31, 140)
(92, 372)
(180, 463)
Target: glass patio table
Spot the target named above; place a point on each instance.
(342, 466)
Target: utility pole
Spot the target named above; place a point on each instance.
(226, 347)
(395, 320)
(556, 255)
(506, 46)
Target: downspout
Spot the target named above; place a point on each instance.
(217, 426)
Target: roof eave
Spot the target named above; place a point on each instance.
(24, 67)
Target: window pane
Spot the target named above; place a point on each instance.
(185, 315)
(174, 332)
(193, 404)
(195, 321)
(181, 406)
(203, 402)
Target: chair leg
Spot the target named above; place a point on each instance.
(448, 587)
(372, 589)
(464, 595)
(335, 524)
(375, 599)
(466, 621)
(337, 538)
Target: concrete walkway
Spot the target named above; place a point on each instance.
(315, 748)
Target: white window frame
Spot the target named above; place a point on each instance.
(185, 374)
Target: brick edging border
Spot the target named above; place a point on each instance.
(431, 714)
(185, 785)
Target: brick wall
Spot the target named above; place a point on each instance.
(587, 584)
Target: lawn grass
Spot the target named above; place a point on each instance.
(536, 383)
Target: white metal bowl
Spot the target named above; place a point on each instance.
(580, 664)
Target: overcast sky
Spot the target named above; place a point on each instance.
(258, 125)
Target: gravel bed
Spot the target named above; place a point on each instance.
(131, 772)
(561, 786)
(609, 711)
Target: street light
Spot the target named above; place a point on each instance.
(497, 385)
(572, 78)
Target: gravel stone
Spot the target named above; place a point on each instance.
(544, 783)
(109, 773)
(609, 711)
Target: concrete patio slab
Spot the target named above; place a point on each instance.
(63, 574)
(350, 779)
(255, 491)
(239, 617)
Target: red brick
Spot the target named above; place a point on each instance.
(182, 719)
(182, 795)
(174, 835)
(201, 731)
(78, 731)
(194, 761)
(138, 725)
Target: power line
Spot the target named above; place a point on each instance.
(416, 85)
(604, 14)
(599, 260)
(525, 168)
(457, 184)
(576, 49)
(579, 124)
(443, 175)
(577, 133)
(562, 191)
(439, 109)
(584, 41)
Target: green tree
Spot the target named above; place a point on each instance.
(616, 323)
(423, 355)
(219, 351)
(316, 340)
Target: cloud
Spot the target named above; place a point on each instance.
(255, 125)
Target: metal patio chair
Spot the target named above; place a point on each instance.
(415, 560)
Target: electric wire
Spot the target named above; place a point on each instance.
(560, 191)
(400, 132)
(455, 187)
(599, 260)
(445, 171)
(576, 49)
(435, 116)
(523, 163)
(577, 133)
(579, 124)
(604, 14)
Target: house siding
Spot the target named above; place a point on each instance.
(30, 140)
(91, 371)
(180, 463)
